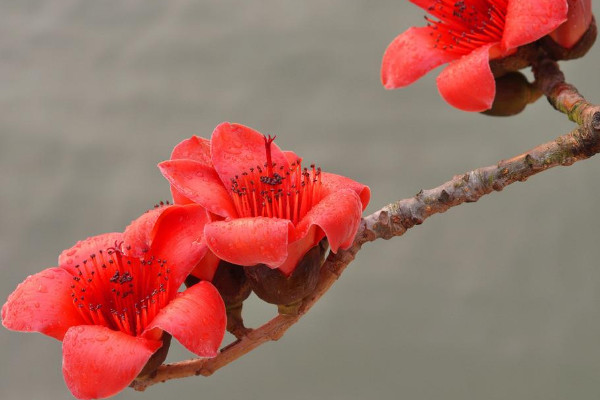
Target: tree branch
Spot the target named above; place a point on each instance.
(395, 218)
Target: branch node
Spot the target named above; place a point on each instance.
(596, 121)
(444, 197)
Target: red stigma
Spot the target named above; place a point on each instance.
(463, 26)
(268, 141)
(277, 191)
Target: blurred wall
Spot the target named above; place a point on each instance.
(492, 300)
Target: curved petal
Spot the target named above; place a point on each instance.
(236, 148)
(82, 250)
(333, 183)
(578, 21)
(179, 198)
(250, 241)
(529, 20)
(424, 4)
(206, 268)
(410, 56)
(137, 235)
(299, 248)
(99, 362)
(199, 183)
(195, 148)
(468, 83)
(177, 238)
(42, 303)
(338, 215)
(292, 157)
(196, 318)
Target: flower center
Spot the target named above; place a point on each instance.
(120, 292)
(463, 26)
(276, 191)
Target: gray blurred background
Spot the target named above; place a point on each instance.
(492, 300)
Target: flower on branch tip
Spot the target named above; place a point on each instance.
(467, 34)
(266, 208)
(111, 302)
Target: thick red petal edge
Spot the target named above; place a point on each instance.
(298, 249)
(333, 183)
(177, 238)
(338, 215)
(291, 156)
(199, 183)
(196, 318)
(137, 236)
(250, 241)
(82, 250)
(468, 83)
(195, 148)
(529, 20)
(99, 362)
(236, 148)
(42, 303)
(578, 21)
(410, 56)
(424, 4)
(206, 268)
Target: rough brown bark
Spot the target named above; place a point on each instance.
(395, 218)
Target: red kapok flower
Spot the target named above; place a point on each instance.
(268, 209)
(110, 309)
(578, 21)
(467, 34)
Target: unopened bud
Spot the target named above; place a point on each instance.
(513, 93)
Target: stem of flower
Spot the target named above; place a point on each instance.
(395, 218)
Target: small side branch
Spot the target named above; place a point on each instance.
(565, 97)
(395, 218)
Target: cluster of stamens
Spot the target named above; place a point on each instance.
(274, 191)
(463, 26)
(120, 292)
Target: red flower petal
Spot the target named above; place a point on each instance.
(334, 183)
(206, 268)
(195, 148)
(137, 236)
(250, 241)
(41, 303)
(82, 250)
(99, 362)
(529, 20)
(175, 239)
(178, 198)
(237, 148)
(196, 318)
(298, 249)
(578, 21)
(468, 83)
(424, 4)
(338, 215)
(410, 56)
(291, 156)
(200, 184)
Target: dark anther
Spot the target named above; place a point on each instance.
(126, 277)
(115, 277)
